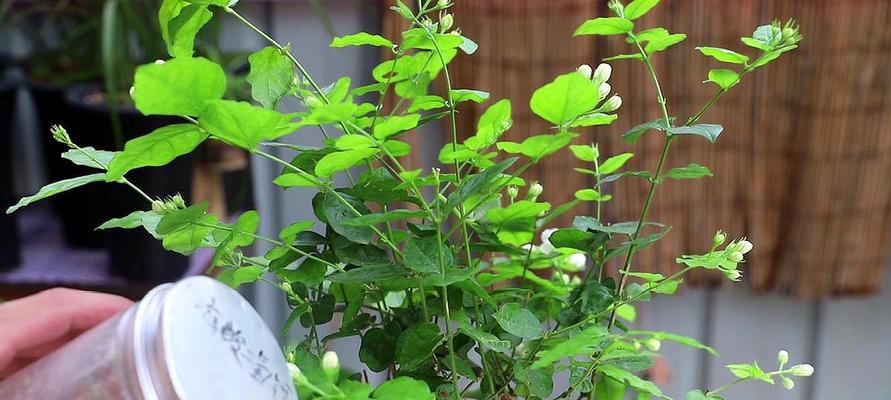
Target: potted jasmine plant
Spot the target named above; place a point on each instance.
(451, 296)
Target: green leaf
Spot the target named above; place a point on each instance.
(578, 239)
(632, 56)
(180, 22)
(709, 131)
(664, 43)
(361, 39)
(591, 195)
(539, 382)
(686, 341)
(519, 210)
(586, 342)
(423, 255)
(566, 98)
(609, 389)
(90, 157)
(270, 77)
(376, 350)
(518, 321)
(378, 273)
(334, 212)
(484, 338)
(293, 179)
(724, 55)
(638, 8)
(155, 149)
(594, 119)
(395, 125)
(613, 163)
(403, 388)
(242, 124)
(416, 345)
(634, 133)
(181, 86)
(494, 121)
(724, 78)
(477, 183)
(56, 188)
(341, 160)
(241, 275)
(750, 371)
(604, 26)
(184, 230)
(588, 153)
(133, 220)
(699, 395)
(539, 146)
(692, 171)
(630, 379)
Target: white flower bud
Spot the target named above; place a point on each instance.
(802, 370)
(535, 190)
(744, 246)
(132, 91)
(787, 383)
(735, 256)
(563, 278)
(782, 357)
(575, 281)
(546, 246)
(733, 275)
(602, 73)
(577, 261)
(719, 239)
(446, 22)
(297, 375)
(330, 363)
(604, 90)
(442, 3)
(159, 62)
(520, 350)
(512, 192)
(585, 70)
(612, 104)
(636, 345)
(653, 344)
(528, 247)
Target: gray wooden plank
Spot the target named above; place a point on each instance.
(853, 360)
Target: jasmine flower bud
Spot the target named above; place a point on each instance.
(446, 22)
(330, 364)
(787, 383)
(534, 190)
(602, 73)
(733, 275)
(60, 134)
(159, 62)
(653, 344)
(782, 357)
(546, 246)
(612, 104)
(442, 3)
(604, 90)
(802, 370)
(585, 70)
(735, 256)
(575, 281)
(744, 246)
(719, 239)
(512, 192)
(297, 375)
(577, 261)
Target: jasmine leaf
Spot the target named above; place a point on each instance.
(519, 210)
(242, 124)
(361, 39)
(639, 8)
(664, 43)
(334, 212)
(379, 218)
(476, 96)
(270, 76)
(416, 345)
(750, 371)
(241, 275)
(613, 163)
(518, 321)
(130, 221)
(630, 379)
(180, 23)
(587, 153)
(485, 339)
(477, 183)
(584, 343)
(376, 350)
(341, 160)
(293, 179)
(56, 188)
(634, 133)
(632, 56)
(594, 119)
(539, 146)
(423, 255)
(88, 157)
(494, 121)
(378, 273)
(403, 388)
(566, 98)
(724, 55)
(395, 125)
(724, 78)
(181, 86)
(540, 382)
(155, 149)
(605, 26)
(708, 131)
(686, 341)
(692, 171)
(578, 239)
(184, 230)
(591, 195)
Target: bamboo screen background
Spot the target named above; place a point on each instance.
(803, 166)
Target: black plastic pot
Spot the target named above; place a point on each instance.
(134, 254)
(10, 256)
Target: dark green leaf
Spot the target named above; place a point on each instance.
(708, 131)
(335, 211)
(379, 218)
(376, 350)
(416, 345)
(427, 255)
(477, 183)
(634, 133)
(518, 321)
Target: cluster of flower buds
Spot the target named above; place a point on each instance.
(795, 370)
(535, 190)
(169, 204)
(61, 135)
(446, 21)
(734, 252)
(600, 76)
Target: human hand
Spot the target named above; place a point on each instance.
(34, 326)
